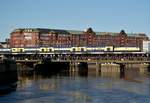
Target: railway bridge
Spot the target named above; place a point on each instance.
(120, 58)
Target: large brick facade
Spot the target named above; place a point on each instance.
(37, 37)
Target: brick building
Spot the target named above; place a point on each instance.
(38, 37)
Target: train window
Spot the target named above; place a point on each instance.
(108, 49)
(21, 50)
(74, 49)
(13, 50)
(82, 49)
(43, 50)
(50, 50)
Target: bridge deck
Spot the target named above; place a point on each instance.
(90, 61)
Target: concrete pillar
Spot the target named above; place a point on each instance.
(83, 68)
(73, 70)
(122, 70)
(148, 67)
(98, 68)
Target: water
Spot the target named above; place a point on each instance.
(134, 87)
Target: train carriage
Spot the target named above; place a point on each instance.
(31, 50)
(71, 49)
(5, 50)
(127, 49)
(47, 49)
(78, 49)
(15, 50)
(60, 50)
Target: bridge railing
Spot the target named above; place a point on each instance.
(86, 58)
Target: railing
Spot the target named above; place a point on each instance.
(86, 58)
(133, 60)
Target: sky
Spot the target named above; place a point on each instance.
(102, 15)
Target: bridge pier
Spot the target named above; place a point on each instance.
(148, 67)
(73, 68)
(83, 68)
(98, 68)
(122, 70)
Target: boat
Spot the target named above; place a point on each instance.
(8, 74)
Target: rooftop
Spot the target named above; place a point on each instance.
(61, 31)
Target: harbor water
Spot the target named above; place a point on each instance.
(91, 87)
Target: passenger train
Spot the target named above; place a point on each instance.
(71, 49)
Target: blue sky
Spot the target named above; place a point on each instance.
(102, 15)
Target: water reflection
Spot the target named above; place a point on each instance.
(8, 91)
(82, 87)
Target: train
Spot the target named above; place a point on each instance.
(70, 49)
